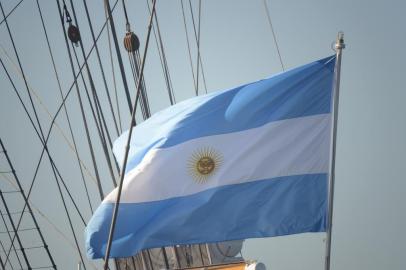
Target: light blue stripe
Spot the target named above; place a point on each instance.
(300, 92)
(279, 206)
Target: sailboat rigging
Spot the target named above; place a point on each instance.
(100, 117)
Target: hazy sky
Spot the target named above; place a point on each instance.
(236, 48)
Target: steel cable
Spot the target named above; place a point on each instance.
(38, 122)
(162, 56)
(188, 47)
(197, 39)
(100, 63)
(268, 15)
(99, 111)
(64, 106)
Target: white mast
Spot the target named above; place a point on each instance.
(339, 46)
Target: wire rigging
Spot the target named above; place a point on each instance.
(29, 193)
(11, 11)
(162, 56)
(97, 120)
(42, 138)
(100, 64)
(53, 123)
(113, 73)
(48, 154)
(127, 22)
(63, 102)
(47, 220)
(102, 124)
(12, 243)
(198, 42)
(64, 106)
(54, 168)
(81, 107)
(20, 189)
(114, 217)
(99, 112)
(132, 44)
(15, 230)
(2, 263)
(198, 47)
(40, 213)
(268, 15)
(135, 67)
(133, 56)
(188, 47)
(44, 144)
(118, 53)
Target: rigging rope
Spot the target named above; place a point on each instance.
(135, 63)
(198, 48)
(188, 47)
(54, 168)
(131, 43)
(144, 96)
(12, 243)
(39, 126)
(97, 120)
(113, 73)
(81, 107)
(46, 219)
(39, 212)
(60, 106)
(40, 102)
(96, 100)
(53, 123)
(59, 109)
(28, 205)
(15, 230)
(29, 193)
(2, 264)
(64, 106)
(11, 11)
(114, 217)
(48, 153)
(162, 57)
(100, 63)
(268, 15)
(127, 23)
(11, 246)
(39, 136)
(44, 149)
(198, 42)
(119, 59)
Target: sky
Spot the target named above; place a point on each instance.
(236, 47)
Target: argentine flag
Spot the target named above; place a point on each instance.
(248, 162)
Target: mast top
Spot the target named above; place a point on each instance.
(340, 41)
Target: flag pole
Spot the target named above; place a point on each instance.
(339, 46)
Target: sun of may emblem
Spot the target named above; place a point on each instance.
(203, 163)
